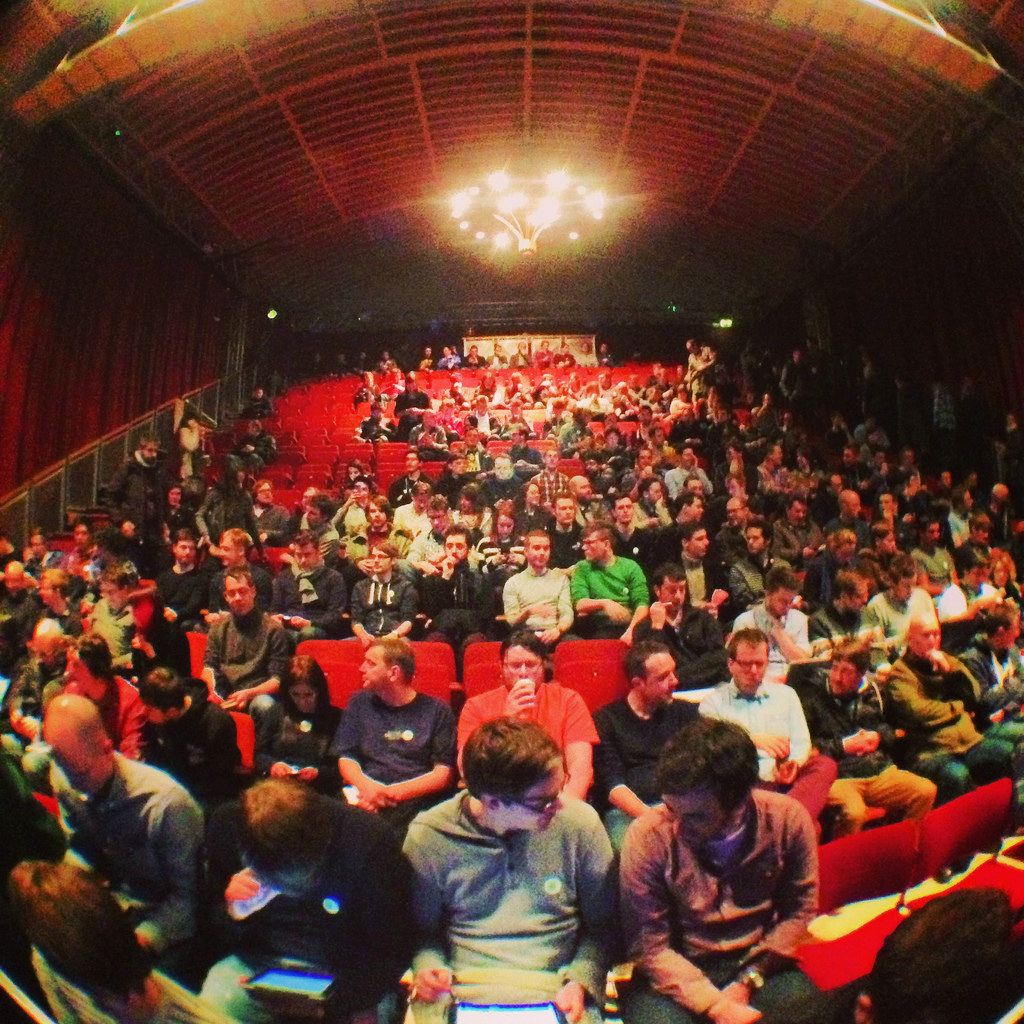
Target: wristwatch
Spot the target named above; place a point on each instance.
(752, 978)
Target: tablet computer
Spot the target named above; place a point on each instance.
(479, 1013)
(292, 993)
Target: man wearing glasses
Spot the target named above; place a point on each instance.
(514, 884)
(772, 715)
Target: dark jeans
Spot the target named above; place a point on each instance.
(789, 997)
(956, 774)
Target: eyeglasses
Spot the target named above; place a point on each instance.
(538, 805)
(749, 665)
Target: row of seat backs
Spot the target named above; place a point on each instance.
(892, 858)
(595, 668)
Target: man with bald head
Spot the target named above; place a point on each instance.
(931, 696)
(849, 518)
(132, 823)
(39, 679)
(20, 609)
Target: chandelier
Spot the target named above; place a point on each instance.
(525, 208)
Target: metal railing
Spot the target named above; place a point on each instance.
(74, 483)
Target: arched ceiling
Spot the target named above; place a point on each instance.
(310, 147)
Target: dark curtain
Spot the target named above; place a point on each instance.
(939, 293)
(103, 314)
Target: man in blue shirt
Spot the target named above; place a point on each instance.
(772, 714)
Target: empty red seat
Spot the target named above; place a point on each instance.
(435, 669)
(594, 668)
(971, 823)
(481, 667)
(879, 862)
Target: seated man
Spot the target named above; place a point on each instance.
(784, 625)
(54, 591)
(190, 737)
(514, 884)
(185, 585)
(87, 956)
(319, 522)
(962, 607)
(90, 674)
(132, 823)
(402, 489)
(525, 695)
(426, 553)
(609, 593)
(246, 652)
(566, 534)
(929, 694)
(411, 518)
(934, 565)
(309, 598)
(842, 618)
(713, 931)
(112, 618)
(383, 606)
(298, 878)
(538, 597)
(994, 660)
(39, 679)
(747, 574)
(457, 597)
(847, 723)
(693, 635)
(796, 538)
(272, 521)
(395, 746)
(633, 732)
(234, 554)
(771, 713)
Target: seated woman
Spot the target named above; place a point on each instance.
(294, 736)
(157, 643)
(471, 512)
(501, 553)
(533, 516)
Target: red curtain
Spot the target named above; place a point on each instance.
(103, 314)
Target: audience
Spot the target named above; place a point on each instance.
(663, 463)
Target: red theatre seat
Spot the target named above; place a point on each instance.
(481, 667)
(197, 652)
(245, 737)
(875, 863)
(972, 823)
(595, 668)
(340, 660)
(435, 669)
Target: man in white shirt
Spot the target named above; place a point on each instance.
(774, 717)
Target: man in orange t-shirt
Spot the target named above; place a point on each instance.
(525, 694)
